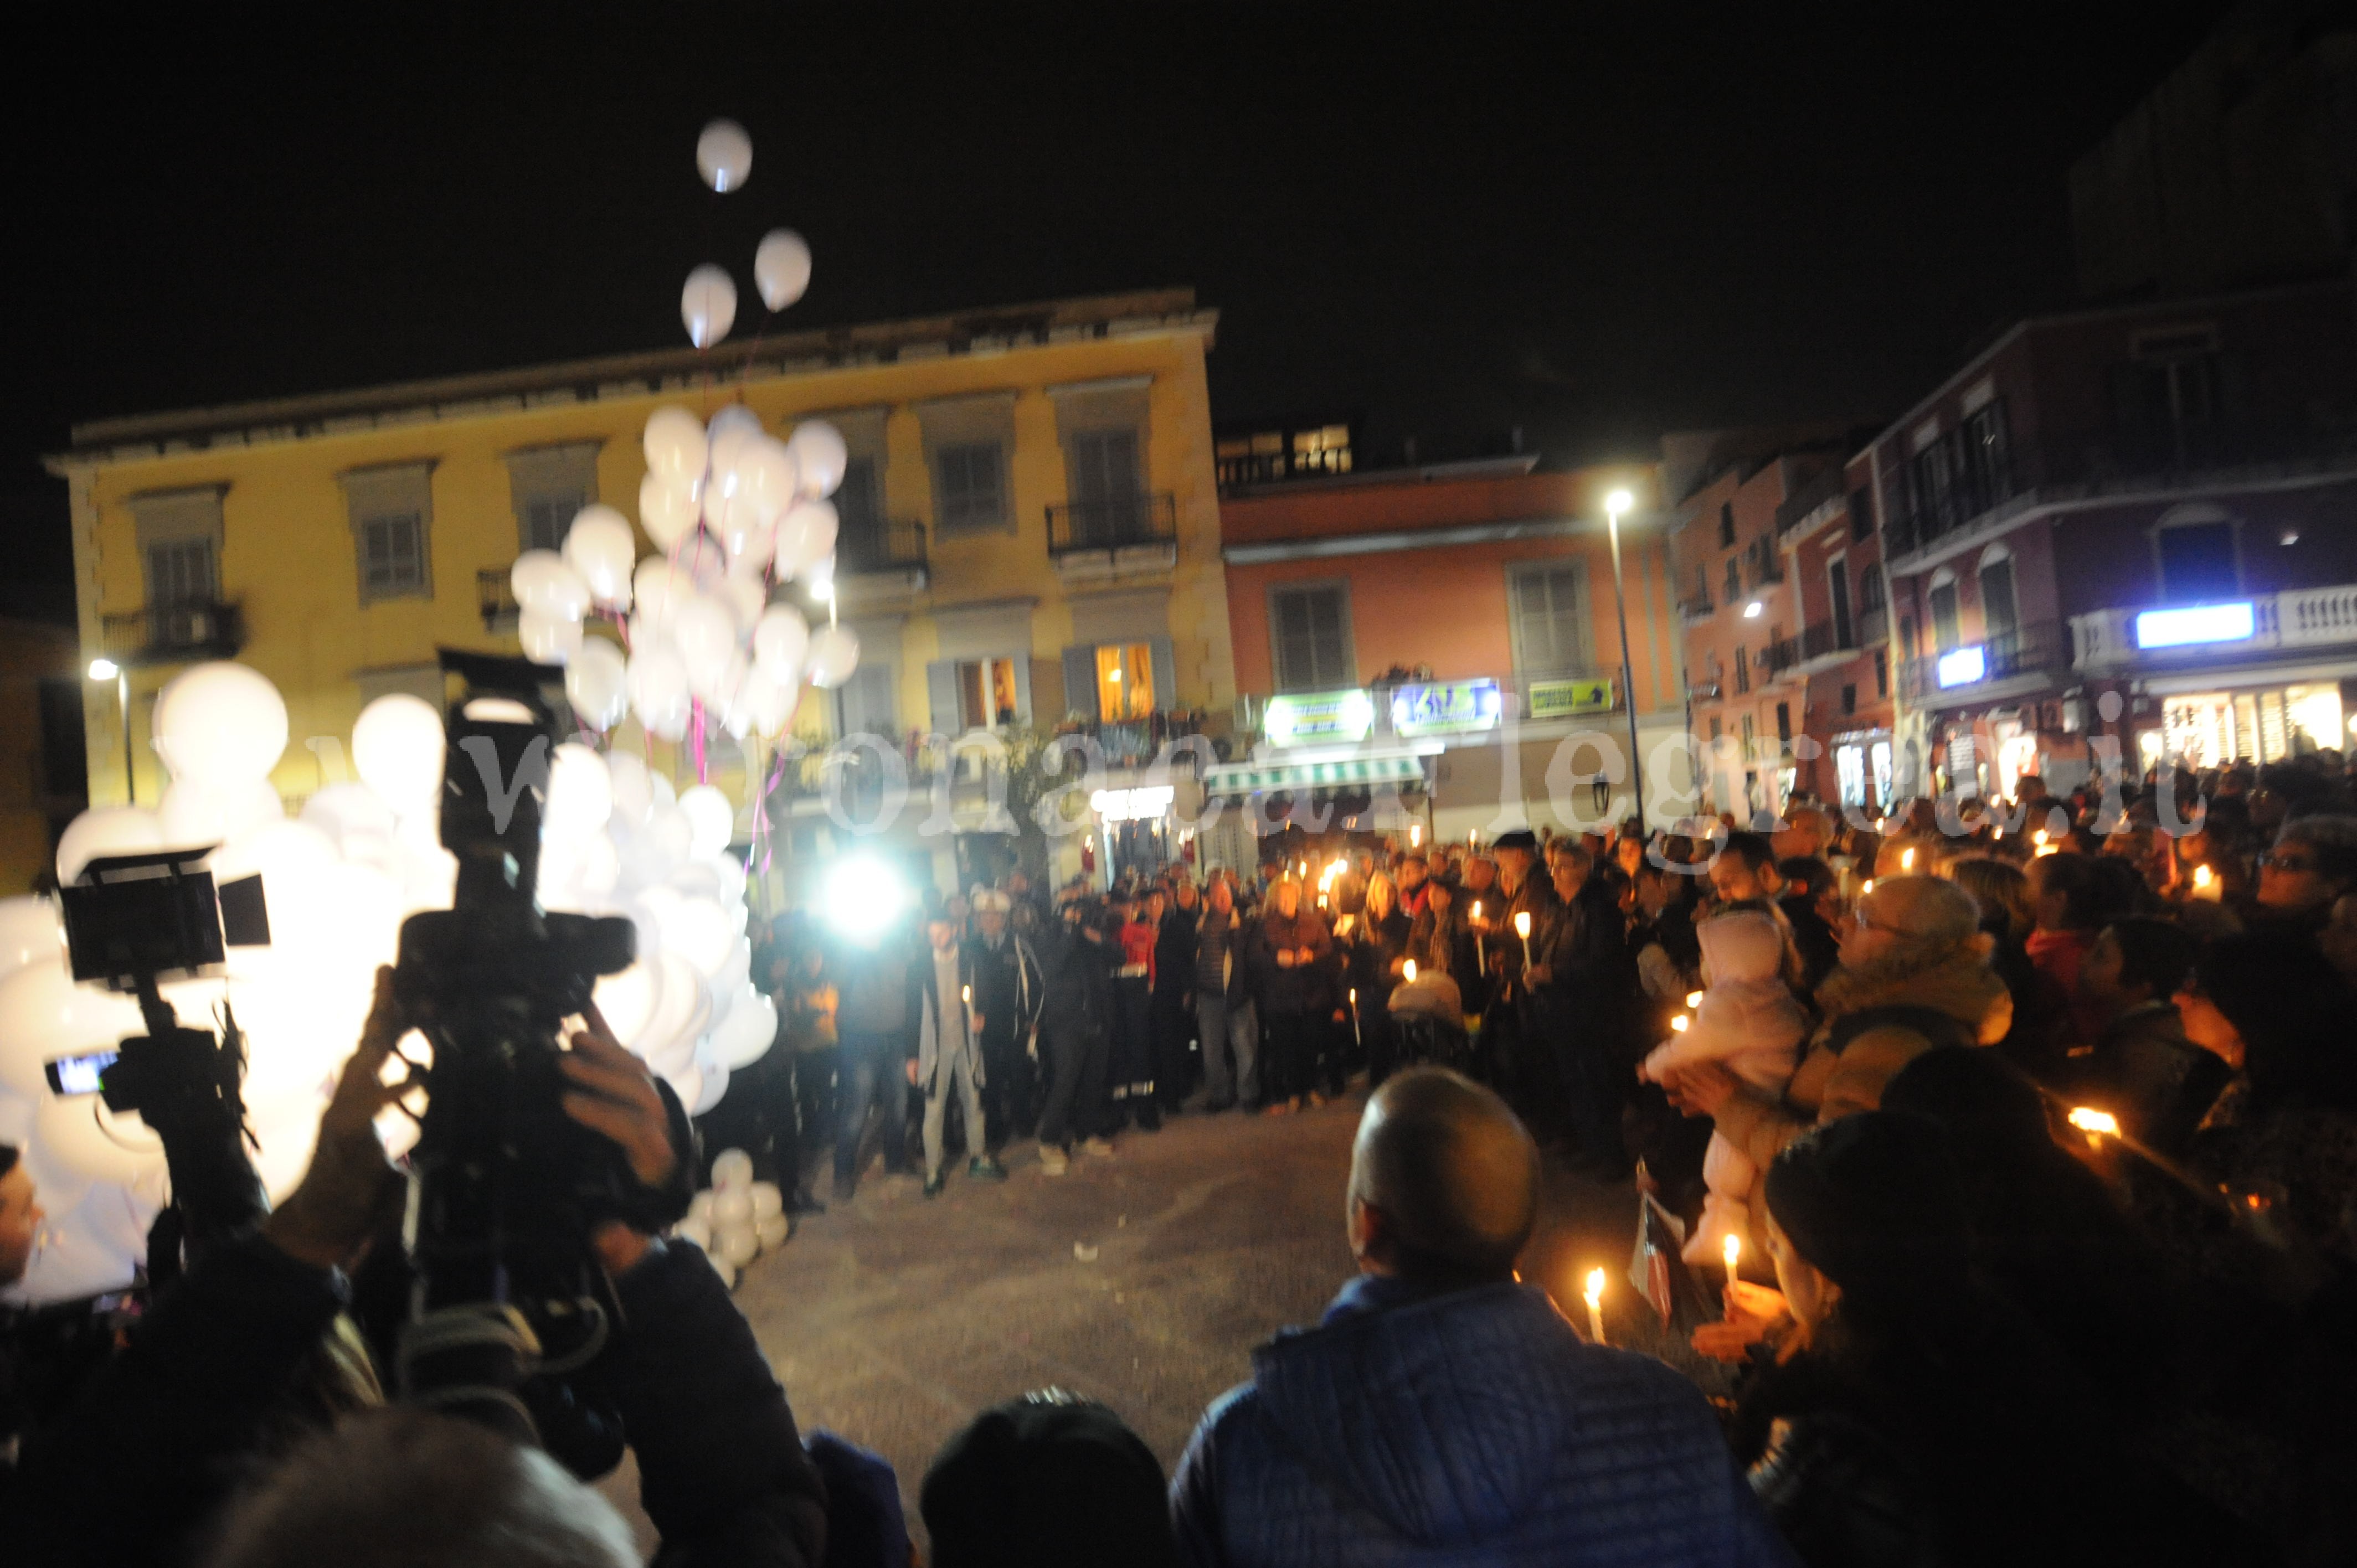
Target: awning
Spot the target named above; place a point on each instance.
(1244, 778)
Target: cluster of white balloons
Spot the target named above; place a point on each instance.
(737, 1219)
(337, 881)
(782, 263)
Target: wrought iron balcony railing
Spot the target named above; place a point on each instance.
(175, 634)
(1116, 523)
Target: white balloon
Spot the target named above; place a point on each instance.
(600, 547)
(732, 1205)
(673, 441)
(657, 681)
(716, 687)
(220, 724)
(747, 596)
(699, 931)
(593, 683)
(627, 1000)
(721, 1266)
(703, 558)
(696, 1229)
(806, 533)
(769, 1200)
(773, 1232)
(633, 789)
(103, 831)
(687, 1082)
(707, 306)
(763, 703)
(744, 1036)
(661, 589)
(29, 933)
(289, 857)
(834, 655)
(724, 155)
(732, 1171)
(820, 455)
(712, 819)
(781, 638)
(194, 813)
(705, 634)
(668, 507)
(92, 1245)
(740, 1244)
(767, 476)
(547, 639)
(543, 582)
(782, 267)
(745, 534)
(397, 747)
(733, 416)
(44, 1014)
(580, 792)
(736, 969)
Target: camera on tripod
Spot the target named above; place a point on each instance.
(506, 1187)
(130, 920)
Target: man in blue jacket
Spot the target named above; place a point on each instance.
(1444, 1413)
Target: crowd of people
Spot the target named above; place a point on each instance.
(2035, 1120)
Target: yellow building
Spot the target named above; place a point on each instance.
(41, 712)
(1030, 520)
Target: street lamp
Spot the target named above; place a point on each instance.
(108, 669)
(1616, 503)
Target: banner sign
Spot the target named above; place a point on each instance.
(1319, 718)
(1561, 698)
(1445, 707)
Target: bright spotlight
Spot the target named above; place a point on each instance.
(104, 670)
(863, 896)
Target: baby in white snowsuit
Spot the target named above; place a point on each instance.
(1750, 1024)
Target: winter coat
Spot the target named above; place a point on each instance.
(1819, 947)
(1748, 1023)
(2159, 1082)
(1174, 956)
(1080, 1000)
(1009, 989)
(1467, 1427)
(1228, 946)
(1302, 988)
(1876, 1020)
(874, 990)
(936, 1016)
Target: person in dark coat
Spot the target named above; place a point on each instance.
(1809, 899)
(876, 1025)
(2144, 1070)
(1008, 991)
(1076, 1036)
(1174, 996)
(1049, 1480)
(1581, 986)
(1374, 944)
(1914, 1417)
(1291, 953)
(1443, 1413)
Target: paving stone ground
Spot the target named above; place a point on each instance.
(894, 1319)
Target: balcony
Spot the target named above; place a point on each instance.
(2295, 620)
(1825, 644)
(1780, 657)
(174, 634)
(881, 560)
(1763, 569)
(1813, 502)
(1696, 605)
(495, 597)
(1093, 540)
(2010, 664)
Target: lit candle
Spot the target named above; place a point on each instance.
(1694, 1000)
(1594, 1295)
(1354, 1017)
(2037, 837)
(1409, 971)
(1522, 929)
(2097, 1124)
(1866, 887)
(1734, 1250)
(1681, 1024)
(965, 995)
(1414, 834)
(1480, 952)
(1906, 860)
(1321, 900)
(2206, 886)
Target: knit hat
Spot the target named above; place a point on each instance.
(1044, 1481)
(1874, 1202)
(1929, 909)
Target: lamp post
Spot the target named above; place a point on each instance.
(1616, 503)
(108, 669)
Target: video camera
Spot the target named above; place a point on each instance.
(505, 1186)
(129, 920)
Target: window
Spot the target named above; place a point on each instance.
(65, 764)
(1870, 593)
(1906, 635)
(970, 487)
(1734, 579)
(180, 571)
(1125, 680)
(1784, 721)
(1882, 672)
(1549, 604)
(545, 518)
(1715, 730)
(549, 485)
(1727, 525)
(1998, 619)
(1861, 513)
(1837, 580)
(1945, 635)
(986, 692)
(1746, 734)
(1312, 636)
(1702, 585)
(392, 556)
(2195, 546)
(863, 704)
(859, 511)
(2167, 402)
(1105, 485)
(1742, 669)
(1850, 693)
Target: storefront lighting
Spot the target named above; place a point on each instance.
(1962, 666)
(2195, 624)
(1147, 802)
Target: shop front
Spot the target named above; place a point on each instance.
(2209, 728)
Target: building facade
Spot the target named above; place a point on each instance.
(1030, 534)
(1417, 646)
(42, 678)
(2127, 534)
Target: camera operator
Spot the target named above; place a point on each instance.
(204, 1388)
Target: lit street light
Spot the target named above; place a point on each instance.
(108, 669)
(1616, 503)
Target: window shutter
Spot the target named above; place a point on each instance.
(1166, 672)
(1047, 689)
(942, 691)
(1080, 682)
(1022, 690)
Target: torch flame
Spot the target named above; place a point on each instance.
(2087, 1119)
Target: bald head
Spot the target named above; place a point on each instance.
(1444, 1181)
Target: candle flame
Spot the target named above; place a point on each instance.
(2201, 877)
(1693, 999)
(2087, 1119)
(1906, 860)
(1477, 909)
(967, 992)
(1354, 996)
(1521, 922)
(1410, 973)
(2037, 837)
(1681, 1024)
(1414, 834)
(1733, 1248)
(1595, 1291)
(1866, 887)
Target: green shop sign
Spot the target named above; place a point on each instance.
(1562, 699)
(1319, 718)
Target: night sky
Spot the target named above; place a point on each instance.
(1595, 221)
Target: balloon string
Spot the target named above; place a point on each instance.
(695, 742)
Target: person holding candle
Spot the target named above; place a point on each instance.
(949, 1053)
(1752, 1025)
(2144, 1068)
(1290, 952)
(1443, 1411)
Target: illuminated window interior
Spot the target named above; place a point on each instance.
(986, 692)
(1125, 680)
(2208, 730)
